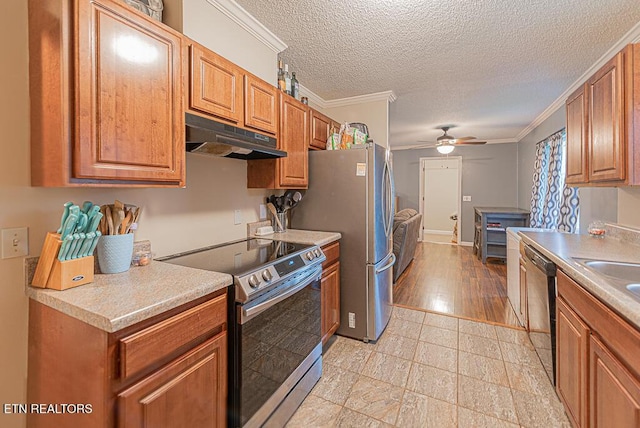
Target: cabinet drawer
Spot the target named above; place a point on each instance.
(172, 336)
(332, 252)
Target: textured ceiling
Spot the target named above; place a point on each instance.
(487, 67)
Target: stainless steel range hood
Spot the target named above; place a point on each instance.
(208, 137)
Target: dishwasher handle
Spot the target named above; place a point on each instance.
(540, 261)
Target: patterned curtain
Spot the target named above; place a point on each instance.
(553, 204)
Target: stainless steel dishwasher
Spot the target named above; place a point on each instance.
(541, 307)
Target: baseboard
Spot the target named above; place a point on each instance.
(437, 232)
(466, 244)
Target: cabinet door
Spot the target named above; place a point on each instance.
(606, 128)
(215, 85)
(294, 139)
(189, 392)
(615, 393)
(572, 337)
(330, 301)
(577, 142)
(320, 125)
(130, 118)
(260, 105)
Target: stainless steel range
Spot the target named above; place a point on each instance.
(275, 347)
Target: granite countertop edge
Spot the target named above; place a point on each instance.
(599, 286)
(114, 302)
(298, 236)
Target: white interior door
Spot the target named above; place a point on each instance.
(441, 195)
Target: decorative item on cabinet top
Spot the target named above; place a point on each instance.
(153, 8)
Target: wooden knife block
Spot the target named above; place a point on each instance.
(52, 273)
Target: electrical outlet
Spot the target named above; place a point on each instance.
(263, 212)
(237, 217)
(466, 199)
(15, 242)
(352, 320)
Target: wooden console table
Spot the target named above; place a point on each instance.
(491, 224)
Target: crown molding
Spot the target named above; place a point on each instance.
(632, 36)
(359, 99)
(245, 20)
(313, 97)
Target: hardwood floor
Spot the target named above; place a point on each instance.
(449, 279)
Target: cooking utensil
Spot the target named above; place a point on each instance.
(86, 206)
(65, 214)
(109, 217)
(64, 249)
(94, 222)
(297, 197)
(83, 219)
(275, 215)
(86, 244)
(75, 253)
(69, 224)
(94, 244)
(126, 223)
(72, 245)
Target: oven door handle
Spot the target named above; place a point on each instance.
(248, 313)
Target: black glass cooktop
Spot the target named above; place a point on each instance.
(236, 258)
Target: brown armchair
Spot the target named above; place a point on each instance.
(406, 230)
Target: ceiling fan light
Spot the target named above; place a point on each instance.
(445, 149)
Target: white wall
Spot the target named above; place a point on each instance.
(173, 219)
(629, 206)
(202, 22)
(374, 114)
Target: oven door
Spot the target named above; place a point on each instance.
(278, 343)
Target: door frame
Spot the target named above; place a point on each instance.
(423, 161)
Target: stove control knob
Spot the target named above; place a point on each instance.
(317, 252)
(309, 256)
(267, 275)
(254, 281)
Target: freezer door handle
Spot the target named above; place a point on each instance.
(388, 192)
(389, 265)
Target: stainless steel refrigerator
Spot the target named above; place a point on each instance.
(352, 192)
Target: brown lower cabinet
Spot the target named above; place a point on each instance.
(598, 360)
(330, 291)
(167, 371)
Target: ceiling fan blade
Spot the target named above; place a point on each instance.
(466, 138)
(470, 142)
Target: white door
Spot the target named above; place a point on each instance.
(441, 198)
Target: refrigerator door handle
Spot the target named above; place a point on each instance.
(392, 261)
(389, 192)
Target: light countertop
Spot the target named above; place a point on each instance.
(304, 237)
(562, 248)
(113, 302)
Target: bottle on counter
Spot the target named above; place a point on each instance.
(287, 79)
(295, 86)
(281, 81)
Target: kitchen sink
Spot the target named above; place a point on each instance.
(634, 288)
(621, 271)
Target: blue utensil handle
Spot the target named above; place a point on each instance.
(65, 214)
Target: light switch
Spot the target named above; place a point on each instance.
(466, 199)
(237, 217)
(15, 242)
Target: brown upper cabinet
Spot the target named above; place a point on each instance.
(106, 96)
(603, 145)
(291, 172)
(215, 86)
(228, 93)
(320, 128)
(260, 105)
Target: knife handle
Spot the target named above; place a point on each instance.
(78, 244)
(64, 249)
(94, 244)
(65, 214)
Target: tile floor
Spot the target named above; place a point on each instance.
(430, 370)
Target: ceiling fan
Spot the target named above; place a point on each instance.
(446, 143)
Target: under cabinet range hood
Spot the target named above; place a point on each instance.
(208, 137)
